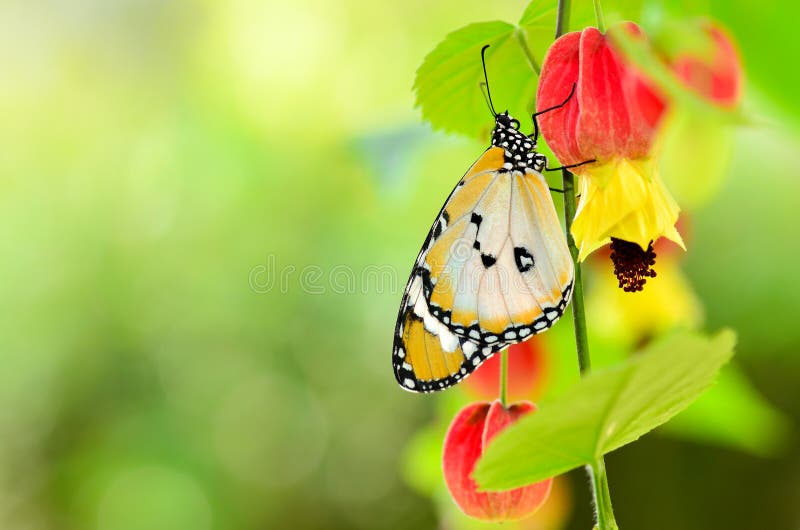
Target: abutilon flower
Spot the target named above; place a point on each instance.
(695, 140)
(612, 119)
(468, 435)
(715, 72)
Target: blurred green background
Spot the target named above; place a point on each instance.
(208, 213)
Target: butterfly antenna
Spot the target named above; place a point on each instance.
(486, 97)
(487, 94)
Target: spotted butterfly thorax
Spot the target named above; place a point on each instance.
(520, 149)
(494, 270)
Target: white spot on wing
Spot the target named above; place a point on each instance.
(448, 340)
(469, 349)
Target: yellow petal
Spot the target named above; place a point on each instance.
(625, 199)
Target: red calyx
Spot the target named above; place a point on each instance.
(469, 434)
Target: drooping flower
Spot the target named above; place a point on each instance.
(714, 72)
(553, 514)
(527, 372)
(613, 118)
(469, 434)
(695, 139)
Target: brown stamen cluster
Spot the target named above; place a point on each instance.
(632, 265)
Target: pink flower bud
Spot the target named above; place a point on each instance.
(716, 74)
(614, 111)
(469, 434)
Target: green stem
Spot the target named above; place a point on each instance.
(578, 310)
(602, 497)
(597, 470)
(504, 377)
(562, 20)
(598, 15)
(523, 43)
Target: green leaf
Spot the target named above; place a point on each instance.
(605, 411)
(734, 414)
(538, 21)
(447, 83)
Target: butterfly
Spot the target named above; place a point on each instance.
(494, 269)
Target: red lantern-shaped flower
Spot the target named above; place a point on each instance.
(613, 119)
(713, 72)
(469, 434)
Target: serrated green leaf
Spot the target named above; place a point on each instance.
(447, 84)
(538, 21)
(605, 411)
(734, 414)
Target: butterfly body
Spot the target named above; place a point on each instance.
(493, 271)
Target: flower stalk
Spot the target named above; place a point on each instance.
(562, 17)
(504, 377)
(598, 15)
(523, 43)
(597, 470)
(578, 310)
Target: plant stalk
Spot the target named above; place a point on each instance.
(504, 377)
(523, 43)
(604, 513)
(597, 470)
(598, 15)
(562, 17)
(578, 310)
(602, 497)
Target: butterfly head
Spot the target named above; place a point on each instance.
(503, 120)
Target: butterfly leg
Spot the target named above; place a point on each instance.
(570, 166)
(556, 190)
(535, 134)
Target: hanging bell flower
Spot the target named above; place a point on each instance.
(713, 72)
(614, 119)
(611, 119)
(467, 437)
